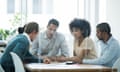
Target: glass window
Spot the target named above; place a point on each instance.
(37, 7)
(10, 6)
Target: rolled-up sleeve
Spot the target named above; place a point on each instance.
(64, 47)
(109, 54)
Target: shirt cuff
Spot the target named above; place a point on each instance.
(85, 61)
(41, 61)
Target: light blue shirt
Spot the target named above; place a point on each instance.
(110, 52)
(50, 47)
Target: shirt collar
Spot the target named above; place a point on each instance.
(45, 35)
(110, 40)
(27, 37)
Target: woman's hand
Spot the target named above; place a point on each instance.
(58, 58)
(75, 59)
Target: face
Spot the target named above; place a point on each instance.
(77, 33)
(99, 34)
(33, 35)
(51, 29)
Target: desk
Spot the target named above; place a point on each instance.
(62, 67)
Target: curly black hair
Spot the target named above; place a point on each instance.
(81, 24)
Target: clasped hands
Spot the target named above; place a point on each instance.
(48, 60)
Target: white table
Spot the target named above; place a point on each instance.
(62, 67)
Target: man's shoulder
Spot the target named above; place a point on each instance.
(113, 40)
(41, 34)
(60, 35)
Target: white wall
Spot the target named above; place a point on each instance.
(113, 16)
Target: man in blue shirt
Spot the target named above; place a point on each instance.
(110, 48)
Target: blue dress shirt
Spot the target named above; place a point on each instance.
(110, 52)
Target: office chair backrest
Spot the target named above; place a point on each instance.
(17, 62)
(1, 69)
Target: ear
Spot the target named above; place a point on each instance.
(103, 33)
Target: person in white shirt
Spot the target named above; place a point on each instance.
(50, 43)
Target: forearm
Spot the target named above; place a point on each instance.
(79, 56)
(83, 53)
(58, 58)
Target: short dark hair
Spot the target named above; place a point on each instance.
(53, 21)
(104, 27)
(31, 26)
(81, 24)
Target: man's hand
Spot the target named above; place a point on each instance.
(46, 61)
(61, 59)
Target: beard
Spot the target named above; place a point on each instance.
(100, 38)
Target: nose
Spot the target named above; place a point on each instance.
(51, 31)
(74, 33)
